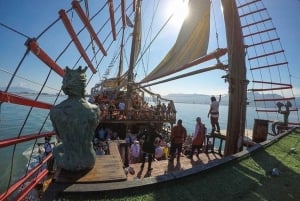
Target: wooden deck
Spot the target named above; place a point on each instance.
(111, 176)
(108, 173)
(164, 167)
(108, 168)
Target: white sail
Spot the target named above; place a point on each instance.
(191, 44)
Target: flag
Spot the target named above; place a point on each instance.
(128, 22)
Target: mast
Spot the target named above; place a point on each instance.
(120, 70)
(134, 47)
(237, 79)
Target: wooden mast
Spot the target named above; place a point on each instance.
(236, 78)
(133, 55)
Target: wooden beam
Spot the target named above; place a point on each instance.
(71, 31)
(123, 3)
(202, 70)
(88, 25)
(20, 100)
(42, 55)
(213, 55)
(112, 18)
(237, 79)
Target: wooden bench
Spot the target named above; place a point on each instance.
(213, 137)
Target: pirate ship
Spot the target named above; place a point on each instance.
(252, 46)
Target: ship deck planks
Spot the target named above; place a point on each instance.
(108, 173)
(164, 167)
(112, 176)
(108, 168)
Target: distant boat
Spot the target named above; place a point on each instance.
(111, 37)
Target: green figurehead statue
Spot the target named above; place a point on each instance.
(74, 121)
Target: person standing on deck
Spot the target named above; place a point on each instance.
(214, 114)
(178, 136)
(122, 107)
(149, 145)
(198, 138)
(135, 152)
(48, 150)
(111, 109)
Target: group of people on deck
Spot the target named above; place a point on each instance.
(118, 110)
(150, 144)
(179, 137)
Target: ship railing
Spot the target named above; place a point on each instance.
(137, 114)
(34, 176)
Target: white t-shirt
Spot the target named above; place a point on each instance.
(135, 150)
(47, 147)
(121, 106)
(159, 152)
(214, 109)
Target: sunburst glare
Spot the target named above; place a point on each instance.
(179, 9)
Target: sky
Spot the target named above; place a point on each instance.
(285, 16)
(32, 16)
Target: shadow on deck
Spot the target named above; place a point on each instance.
(108, 174)
(163, 171)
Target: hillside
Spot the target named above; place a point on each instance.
(184, 98)
(205, 99)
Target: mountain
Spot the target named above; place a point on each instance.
(18, 90)
(193, 98)
(205, 99)
(269, 104)
(188, 98)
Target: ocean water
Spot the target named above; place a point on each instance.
(189, 112)
(20, 162)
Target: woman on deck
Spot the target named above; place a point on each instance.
(198, 138)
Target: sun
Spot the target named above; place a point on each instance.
(179, 10)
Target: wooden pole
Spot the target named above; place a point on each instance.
(236, 79)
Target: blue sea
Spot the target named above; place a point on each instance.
(186, 112)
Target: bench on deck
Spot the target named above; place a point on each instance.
(212, 145)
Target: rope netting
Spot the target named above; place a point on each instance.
(270, 81)
(32, 80)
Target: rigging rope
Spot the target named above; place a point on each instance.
(266, 58)
(151, 42)
(215, 23)
(28, 80)
(29, 114)
(14, 30)
(149, 34)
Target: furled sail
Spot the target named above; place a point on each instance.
(191, 44)
(136, 41)
(135, 46)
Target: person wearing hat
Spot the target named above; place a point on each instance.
(178, 137)
(198, 138)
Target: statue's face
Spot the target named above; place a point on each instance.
(74, 82)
